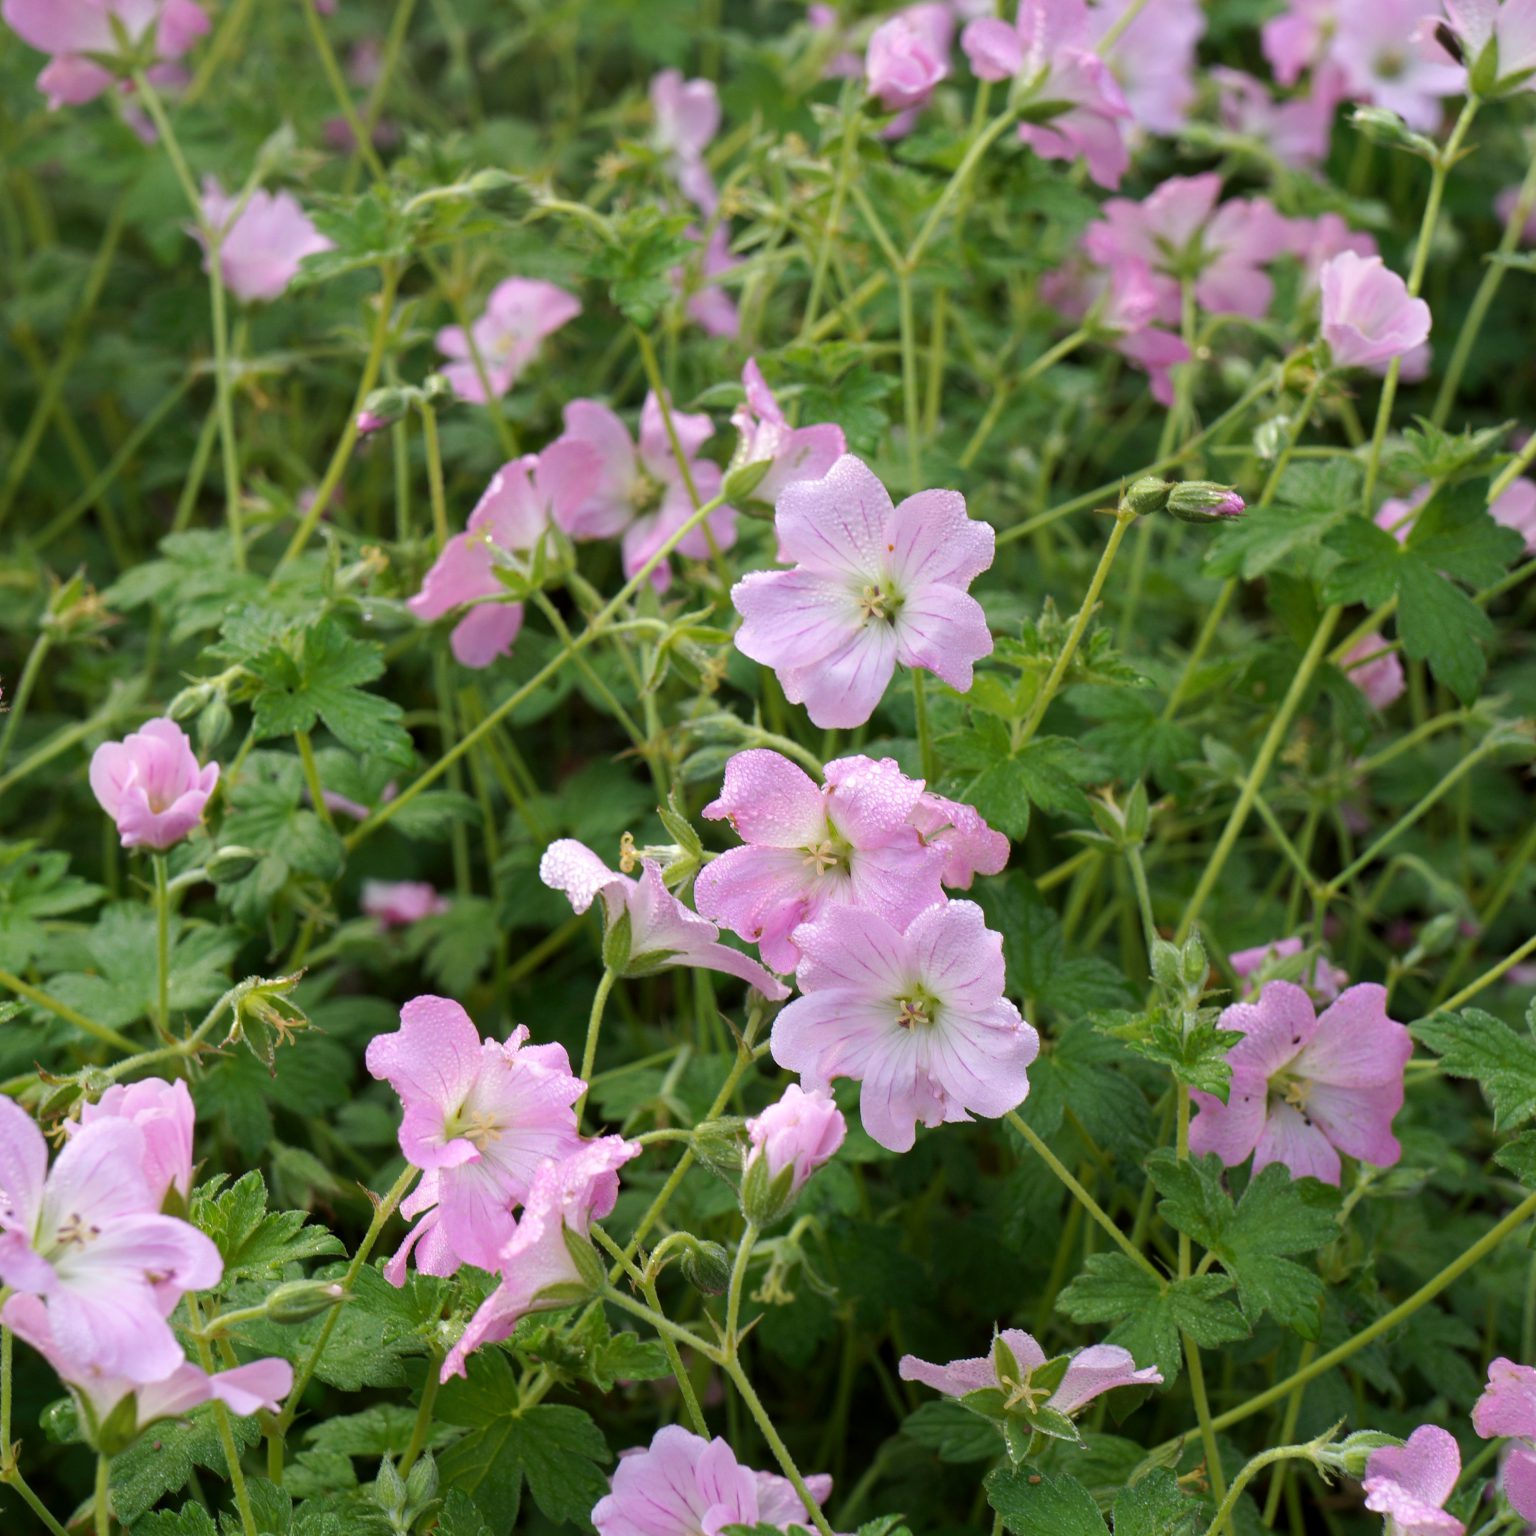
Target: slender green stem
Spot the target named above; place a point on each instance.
(7, 1362)
(594, 1029)
(830, 229)
(928, 764)
(103, 1032)
(1264, 1459)
(962, 174)
(102, 1503)
(770, 1433)
(1490, 976)
(661, 1323)
(435, 473)
(423, 1425)
(909, 395)
(12, 1478)
(23, 693)
(312, 777)
(226, 1429)
(738, 1285)
(162, 947)
(1287, 1429)
(1213, 1467)
(1143, 897)
(361, 136)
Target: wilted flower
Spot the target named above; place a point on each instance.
(519, 314)
(791, 453)
(150, 784)
(1369, 317)
(1323, 980)
(259, 247)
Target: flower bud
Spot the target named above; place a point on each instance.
(1147, 495)
(790, 1141)
(1193, 964)
(231, 863)
(1350, 1454)
(1203, 501)
(741, 481)
(299, 1300)
(707, 1268)
(1383, 127)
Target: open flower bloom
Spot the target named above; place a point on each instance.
(399, 903)
(792, 453)
(519, 314)
(647, 927)
(1507, 1409)
(149, 783)
(1324, 980)
(481, 1117)
(811, 847)
(685, 1485)
(536, 1266)
(687, 118)
(1304, 1088)
(800, 1132)
(1507, 28)
(519, 505)
(165, 1114)
(1376, 671)
(873, 584)
(260, 247)
(1094, 1371)
(1153, 58)
(1295, 40)
(1410, 1483)
(71, 30)
(244, 1389)
(919, 1018)
(1050, 45)
(1315, 242)
(638, 489)
(1368, 315)
(1375, 46)
(87, 1238)
(907, 57)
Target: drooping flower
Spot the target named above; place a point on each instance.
(687, 117)
(908, 55)
(260, 247)
(1324, 980)
(970, 846)
(766, 437)
(638, 489)
(1050, 45)
(72, 31)
(1502, 32)
(535, 1264)
(685, 1485)
(1410, 1483)
(1094, 1371)
(244, 1389)
(1375, 670)
(797, 1133)
(519, 314)
(1369, 317)
(1304, 1088)
(87, 1238)
(1507, 1409)
(481, 1117)
(918, 1018)
(873, 585)
(399, 903)
(522, 501)
(150, 784)
(647, 927)
(165, 1114)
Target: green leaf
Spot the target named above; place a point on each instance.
(1475, 1044)
(1032, 1504)
(34, 886)
(460, 1517)
(648, 246)
(1132, 737)
(1312, 498)
(1156, 1506)
(189, 1520)
(1457, 534)
(253, 1240)
(1443, 626)
(952, 1432)
(1369, 562)
(160, 1463)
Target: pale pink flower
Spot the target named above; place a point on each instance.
(1094, 1371)
(1304, 1088)
(1049, 45)
(87, 1238)
(1297, 130)
(1369, 317)
(1374, 44)
(1396, 516)
(1154, 58)
(150, 784)
(873, 585)
(1507, 1409)
(793, 453)
(535, 1264)
(519, 314)
(908, 55)
(1515, 507)
(519, 505)
(1410, 1483)
(687, 117)
(1508, 25)
(481, 1117)
(638, 489)
(260, 247)
(1315, 242)
(685, 1485)
(809, 848)
(399, 903)
(919, 1018)
(165, 1114)
(659, 930)
(969, 845)
(705, 301)
(1375, 670)
(72, 30)
(1324, 980)
(243, 1389)
(799, 1132)
(1296, 39)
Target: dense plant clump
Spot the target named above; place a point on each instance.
(766, 767)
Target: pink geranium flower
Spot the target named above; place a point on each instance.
(260, 247)
(399, 903)
(87, 1238)
(72, 30)
(481, 1117)
(1508, 26)
(519, 314)
(535, 1263)
(969, 845)
(519, 505)
(1507, 1409)
(685, 1485)
(873, 585)
(638, 489)
(1515, 507)
(1154, 58)
(687, 118)
(1410, 1483)
(1384, 62)
(1369, 317)
(919, 1018)
(1094, 1371)
(1315, 242)
(907, 57)
(660, 930)
(151, 786)
(792, 453)
(1295, 40)
(1324, 980)
(706, 303)
(797, 1134)
(1376, 671)
(810, 847)
(1298, 129)
(1304, 1088)
(165, 1115)
(1049, 46)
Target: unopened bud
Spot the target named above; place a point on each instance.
(299, 1300)
(1203, 501)
(744, 479)
(1383, 127)
(436, 388)
(707, 1268)
(231, 863)
(764, 1196)
(1147, 495)
(1350, 1454)
(1193, 964)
